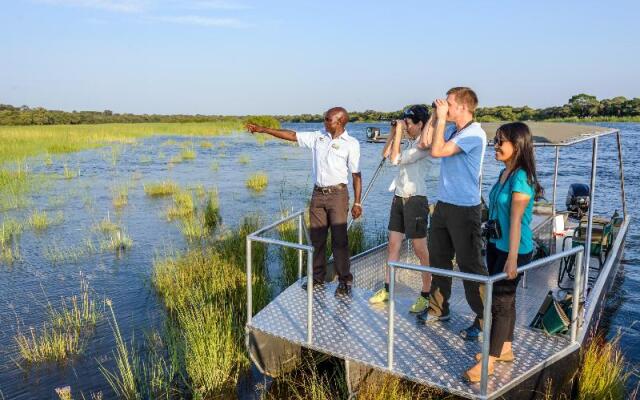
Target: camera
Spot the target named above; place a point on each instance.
(491, 229)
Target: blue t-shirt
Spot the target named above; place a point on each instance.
(460, 173)
(500, 209)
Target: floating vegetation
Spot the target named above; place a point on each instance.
(57, 254)
(57, 201)
(244, 159)
(176, 159)
(261, 138)
(145, 159)
(182, 205)
(40, 220)
(169, 142)
(68, 173)
(206, 145)
(215, 166)
(258, 182)
(106, 225)
(117, 241)
(116, 151)
(188, 153)
(160, 189)
(221, 144)
(120, 196)
(64, 334)
(48, 160)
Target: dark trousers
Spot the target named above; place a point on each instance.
(503, 307)
(326, 211)
(455, 230)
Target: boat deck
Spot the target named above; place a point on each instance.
(352, 329)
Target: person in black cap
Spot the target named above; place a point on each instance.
(409, 207)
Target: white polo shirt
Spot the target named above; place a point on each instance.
(332, 158)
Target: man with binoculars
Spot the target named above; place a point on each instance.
(455, 223)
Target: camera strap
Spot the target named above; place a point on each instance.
(494, 200)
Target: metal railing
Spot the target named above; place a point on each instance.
(488, 281)
(255, 237)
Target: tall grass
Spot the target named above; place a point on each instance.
(204, 292)
(212, 210)
(135, 378)
(117, 241)
(258, 182)
(10, 231)
(183, 205)
(16, 181)
(188, 153)
(603, 374)
(120, 196)
(40, 220)
(64, 334)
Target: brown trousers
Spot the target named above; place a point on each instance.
(326, 211)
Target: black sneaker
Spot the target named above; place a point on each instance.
(472, 333)
(315, 284)
(343, 289)
(426, 317)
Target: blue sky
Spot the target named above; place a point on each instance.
(289, 57)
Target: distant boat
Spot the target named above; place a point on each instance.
(558, 306)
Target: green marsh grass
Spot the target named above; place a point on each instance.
(244, 159)
(145, 159)
(603, 372)
(212, 211)
(120, 196)
(135, 377)
(117, 241)
(204, 292)
(215, 166)
(68, 173)
(183, 205)
(188, 153)
(40, 220)
(258, 182)
(159, 189)
(288, 232)
(64, 334)
(10, 231)
(16, 182)
(176, 159)
(18, 142)
(206, 145)
(194, 228)
(64, 393)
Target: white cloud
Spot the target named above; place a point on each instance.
(202, 21)
(125, 6)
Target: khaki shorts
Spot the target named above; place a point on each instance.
(409, 216)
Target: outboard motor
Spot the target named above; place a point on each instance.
(578, 199)
(373, 133)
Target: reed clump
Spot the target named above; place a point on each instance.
(40, 220)
(183, 205)
(204, 292)
(244, 159)
(212, 210)
(64, 334)
(603, 374)
(10, 231)
(257, 182)
(188, 153)
(160, 189)
(120, 197)
(117, 241)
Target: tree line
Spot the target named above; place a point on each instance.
(580, 106)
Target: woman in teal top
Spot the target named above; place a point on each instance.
(510, 236)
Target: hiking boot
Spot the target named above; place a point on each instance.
(472, 333)
(316, 283)
(343, 289)
(420, 305)
(379, 297)
(427, 318)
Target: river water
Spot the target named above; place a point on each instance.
(38, 277)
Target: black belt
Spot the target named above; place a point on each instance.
(330, 189)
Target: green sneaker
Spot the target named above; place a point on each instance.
(420, 305)
(380, 296)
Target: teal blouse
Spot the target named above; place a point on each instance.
(500, 209)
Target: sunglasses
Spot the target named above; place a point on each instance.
(497, 140)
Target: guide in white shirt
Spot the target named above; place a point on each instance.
(335, 153)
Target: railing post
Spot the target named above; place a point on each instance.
(577, 294)
(392, 313)
(592, 191)
(486, 337)
(624, 198)
(249, 282)
(309, 297)
(299, 250)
